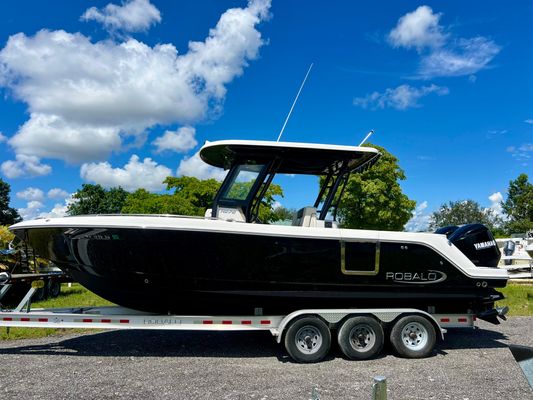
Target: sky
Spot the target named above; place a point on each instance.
(126, 92)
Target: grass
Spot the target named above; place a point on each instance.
(519, 299)
(73, 296)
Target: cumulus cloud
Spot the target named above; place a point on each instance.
(57, 193)
(179, 141)
(135, 174)
(131, 16)
(31, 211)
(400, 98)
(418, 29)
(24, 165)
(2, 138)
(420, 219)
(31, 193)
(496, 200)
(194, 166)
(91, 97)
(59, 209)
(442, 54)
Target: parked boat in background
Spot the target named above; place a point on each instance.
(517, 255)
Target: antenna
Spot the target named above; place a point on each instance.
(294, 103)
(367, 136)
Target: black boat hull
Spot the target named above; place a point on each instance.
(203, 272)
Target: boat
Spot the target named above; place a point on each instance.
(231, 262)
(517, 256)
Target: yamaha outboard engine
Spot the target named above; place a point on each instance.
(447, 230)
(477, 243)
(508, 250)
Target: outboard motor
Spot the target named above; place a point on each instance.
(508, 250)
(477, 243)
(447, 230)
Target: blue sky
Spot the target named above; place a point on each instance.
(126, 93)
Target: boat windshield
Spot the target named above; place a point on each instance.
(242, 182)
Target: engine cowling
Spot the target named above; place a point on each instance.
(477, 243)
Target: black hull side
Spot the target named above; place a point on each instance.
(221, 273)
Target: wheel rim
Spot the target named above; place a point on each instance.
(308, 339)
(414, 336)
(362, 337)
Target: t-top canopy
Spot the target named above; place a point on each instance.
(296, 158)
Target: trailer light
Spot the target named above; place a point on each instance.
(37, 284)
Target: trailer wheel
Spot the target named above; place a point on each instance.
(413, 336)
(54, 288)
(308, 340)
(39, 294)
(360, 338)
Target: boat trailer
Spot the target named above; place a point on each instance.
(306, 334)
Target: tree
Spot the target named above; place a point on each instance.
(8, 215)
(94, 199)
(463, 212)
(373, 199)
(519, 205)
(144, 202)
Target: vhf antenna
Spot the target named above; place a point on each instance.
(294, 103)
(366, 137)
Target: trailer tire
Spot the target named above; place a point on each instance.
(54, 288)
(308, 339)
(413, 336)
(360, 338)
(39, 294)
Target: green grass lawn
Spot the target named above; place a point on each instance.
(73, 296)
(519, 299)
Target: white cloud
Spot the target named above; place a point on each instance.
(529, 121)
(31, 193)
(179, 141)
(135, 174)
(24, 165)
(521, 153)
(57, 193)
(91, 97)
(59, 210)
(496, 206)
(464, 57)
(441, 53)
(31, 211)
(420, 220)
(2, 138)
(418, 29)
(194, 166)
(132, 16)
(400, 98)
(52, 136)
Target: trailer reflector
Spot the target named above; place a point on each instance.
(227, 322)
(265, 322)
(124, 321)
(246, 322)
(207, 322)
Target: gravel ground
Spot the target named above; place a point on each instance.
(469, 364)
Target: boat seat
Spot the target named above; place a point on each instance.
(305, 217)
